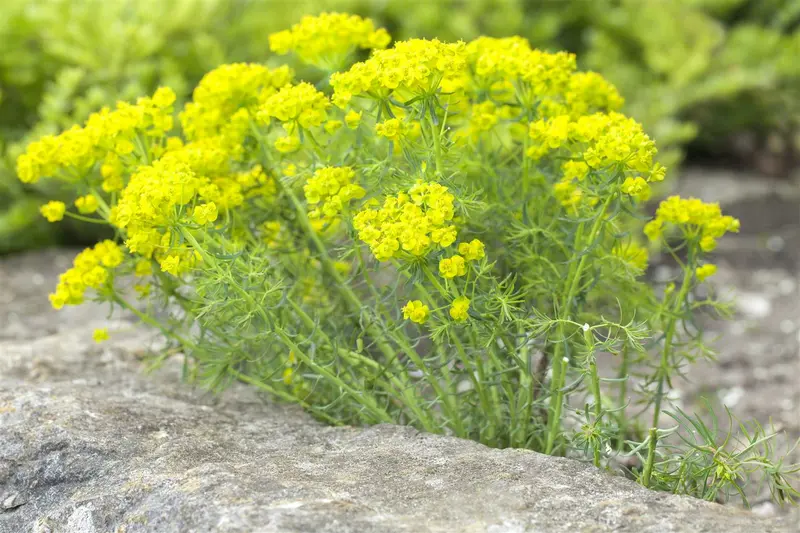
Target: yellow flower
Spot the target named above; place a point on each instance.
(332, 126)
(393, 129)
(695, 217)
(170, 264)
(459, 310)
(100, 335)
(144, 267)
(705, 271)
(636, 187)
(87, 204)
(53, 211)
(452, 266)
(287, 144)
(472, 251)
(327, 39)
(205, 213)
(412, 221)
(352, 119)
(416, 311)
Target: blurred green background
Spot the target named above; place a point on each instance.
(711, 80)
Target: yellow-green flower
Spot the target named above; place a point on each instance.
(53, 211)
(100, 335)
(205, 213)
(452, 267)
(472, 251)
(416, 311)
(287, 144)
(705, 271)
(352, 119)
(87, 204)
(637, 187)
(170, 264)
(459, 310)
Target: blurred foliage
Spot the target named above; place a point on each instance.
(704, 73)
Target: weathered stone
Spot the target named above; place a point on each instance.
(88, 445)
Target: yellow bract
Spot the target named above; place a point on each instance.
(705, 271)
(700, 220)
(459, 310)
(416, 311)
(326, 40)
(413, 221)
(90, 270)
(53, 211)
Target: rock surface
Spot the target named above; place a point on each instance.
(88, 445)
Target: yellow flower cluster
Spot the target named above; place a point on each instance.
(473, 250)
(412, 222)
(328, 39)
(87, 204)
(100, 335)
(411, 68)
(459, 310)
(588, 92)
(89, 270)
(604, 139)
(695, 218)
(601, 141)
(225, 91)
(416, 311)
(395, 129)
(451, 267)
(705, 271)
(330, 189)
(53, 210)
(509, 59)
(151, 203)
(255, 183)
(300, 104)
(74, 152)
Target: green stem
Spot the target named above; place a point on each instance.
(437, 143)
(651, 457)
(622, 375)
(598, 408)
(404, 387)
(663, 369)
(573, 278)
(366, 401)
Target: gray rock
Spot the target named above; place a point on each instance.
(88, 445)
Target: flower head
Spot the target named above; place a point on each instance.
(705, 271)
(452, 267)
(53, 211)
(100, 335)
(416, 311)
(459, 310)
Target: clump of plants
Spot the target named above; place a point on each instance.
(443, 235)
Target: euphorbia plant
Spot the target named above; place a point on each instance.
(443, 235)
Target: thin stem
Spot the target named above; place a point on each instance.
(622, 397)
(367, 401)
(437, 142)
(598, 408)
(559, 367)
(651, 457)
(663, 368)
